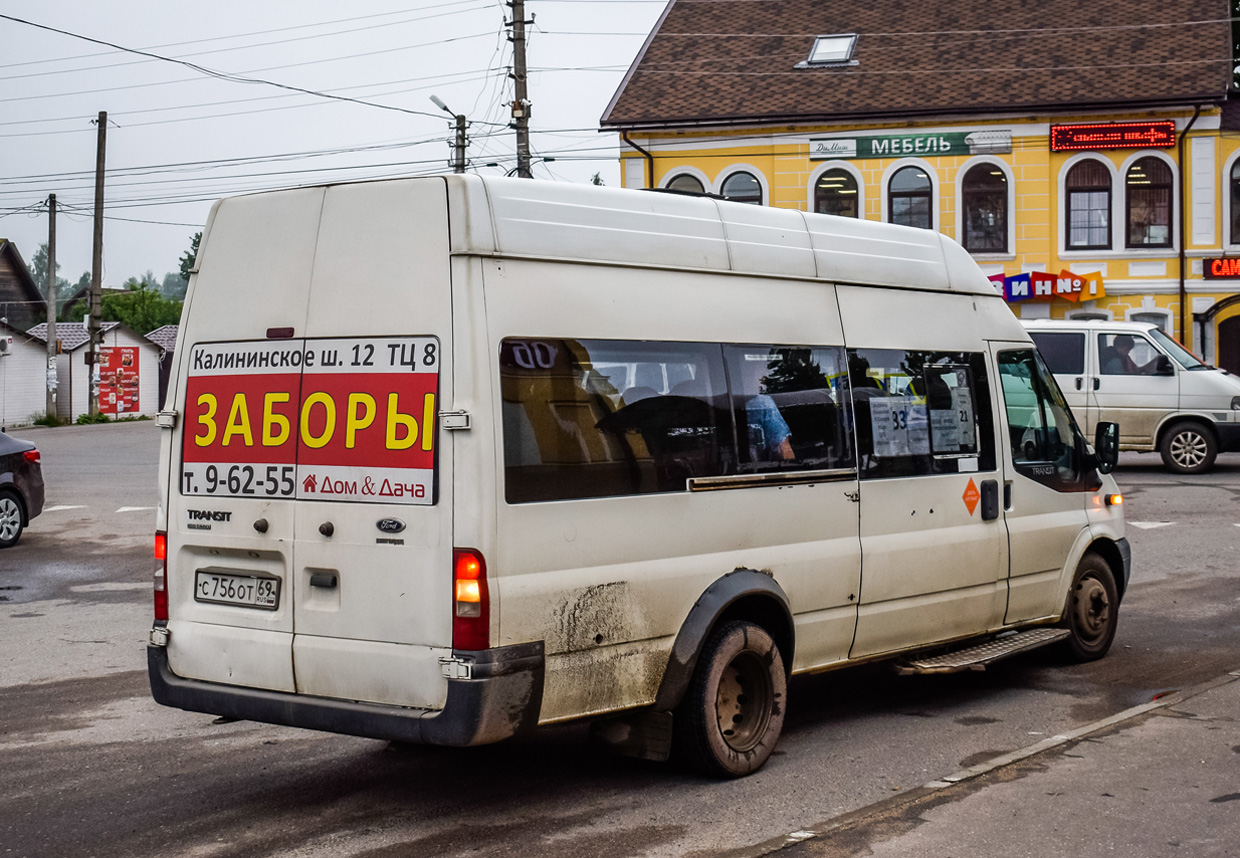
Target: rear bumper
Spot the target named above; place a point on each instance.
(502, 699)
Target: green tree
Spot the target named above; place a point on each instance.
(141, 307)
(189, 257)
(38, 270)
(174, 286)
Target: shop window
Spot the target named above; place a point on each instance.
(742, 187)
(921, 412)
(1039, 424)
(1234, 183)
(909, 198)
(1063, 353)
(1088, 195)
(985, 199)
(688, 183)
(835, 193)
(1148, 186)
(601, 418)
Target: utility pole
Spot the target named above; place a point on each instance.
(458, 147)
(51, 305)
(521, 103)
(96, 269)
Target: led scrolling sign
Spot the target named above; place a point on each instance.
(1114, 135)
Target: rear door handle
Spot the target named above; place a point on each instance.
(1078, 382)
(1097, 383)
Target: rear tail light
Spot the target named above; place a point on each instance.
(161, 576)
(32, 456)
(471, 615)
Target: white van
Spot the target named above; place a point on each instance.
(1160, 394)
(448, 458)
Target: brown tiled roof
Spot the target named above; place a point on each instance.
(734, 61)
(165, 337)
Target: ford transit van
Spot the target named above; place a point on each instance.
(444, 459)
(1161, 395)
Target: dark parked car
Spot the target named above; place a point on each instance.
(21, 487)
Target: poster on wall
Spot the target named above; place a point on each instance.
(118, 380)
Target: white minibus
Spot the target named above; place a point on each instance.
(444, 459)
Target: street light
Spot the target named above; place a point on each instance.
(458, 150)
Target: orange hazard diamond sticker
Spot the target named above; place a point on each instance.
(971, 496)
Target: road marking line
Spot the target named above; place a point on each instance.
(134, 508)
(1150, 525)
(62, 507)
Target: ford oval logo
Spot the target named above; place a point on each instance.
(390, 525)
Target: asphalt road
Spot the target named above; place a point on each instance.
(90, 766)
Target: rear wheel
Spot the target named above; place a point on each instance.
(1092, 610)
(733, 711)
(10, 519)
(1188, 448)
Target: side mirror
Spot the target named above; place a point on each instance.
(1163, 367)
(1106, 447)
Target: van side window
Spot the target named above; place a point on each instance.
(787, 408)
(1127, 354)
(601, 418)
(1040, 427)
(921, 412)
(1064, 353)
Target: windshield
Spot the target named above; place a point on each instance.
(1183, 356)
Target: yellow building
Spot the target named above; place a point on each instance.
(1086, 144)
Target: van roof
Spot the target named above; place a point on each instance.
(492, 216)
(591, 223)
(1092, 324)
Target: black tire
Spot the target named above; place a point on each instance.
(10, 519)
(1091, 612)
(733, 711)
(1188, 448)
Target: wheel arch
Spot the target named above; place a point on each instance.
(1176, 419)
(742, 594)
(9, 487)
(1109, 551)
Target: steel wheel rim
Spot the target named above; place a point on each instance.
(1091, 610)
(743, 701)
(1188, 449)
(10, 519)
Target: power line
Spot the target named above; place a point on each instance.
(244, 35)
(222, 75)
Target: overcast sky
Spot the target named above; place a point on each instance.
(179, 138)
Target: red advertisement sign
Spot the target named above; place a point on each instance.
(339, 420)
(1113, 135)
(118, 380)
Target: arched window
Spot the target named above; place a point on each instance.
(984, 195)
(1234, 182)
(688, 183)
(742, 187)
(1154, 318)
(908, 198)
(1148, 184)
(1087, 192)
(835, 193)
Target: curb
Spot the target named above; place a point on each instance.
(917, 794)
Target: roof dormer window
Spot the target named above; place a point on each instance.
(832, 50)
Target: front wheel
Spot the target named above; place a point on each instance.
(1092, 610)
(733, 711)
(10, 519)
(1188, 448)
